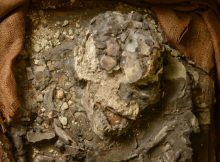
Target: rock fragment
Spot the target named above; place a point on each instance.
(63, 120)
(113, 48)
(40, 98)
(108, 63)
(59, 94)
(37, 48)
(41, 76)
(17, 136)
(124, 36)
(48, 98)
(65, 23)
(34, 137)
(62, 134)
(136, 16)
(64, 106)
(43, 158)
(100, 45)
(39, 120)
(30, 74)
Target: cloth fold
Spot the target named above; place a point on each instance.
(194, 32)
(12, 28)
(193, 27)
(188, 31)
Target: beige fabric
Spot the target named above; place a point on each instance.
(11, 41)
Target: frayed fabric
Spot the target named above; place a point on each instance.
(12, 29)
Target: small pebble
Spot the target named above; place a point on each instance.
(63, 120)
(77, 25)
(39, 120)
(137, 16)
(50, 115)
(60, 94)
(64, 106)
(30, 74)
(108, 62)
(65, 23)
(113, 48)
(70, 102)
(40, 98)
(43, 109)
(37, 48)
(100, 45)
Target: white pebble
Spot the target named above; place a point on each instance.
(63, 120)
(60, 94)
(64, 106)
(65, 23)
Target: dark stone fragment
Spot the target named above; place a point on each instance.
(100, 45)
(37, 136)
(145, 25)
(137, 16)
(124, 92)
(149, 42)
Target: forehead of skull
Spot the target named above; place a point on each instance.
(122, 41)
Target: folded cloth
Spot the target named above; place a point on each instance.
(193, 27)
(12, 13)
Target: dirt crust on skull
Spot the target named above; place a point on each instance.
(121, 61)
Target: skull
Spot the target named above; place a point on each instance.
(121, 61)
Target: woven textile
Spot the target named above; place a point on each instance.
(12, 13)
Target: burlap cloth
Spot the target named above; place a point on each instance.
(194, 29)
(11, 41)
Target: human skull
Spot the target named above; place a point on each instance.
(121, 61)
